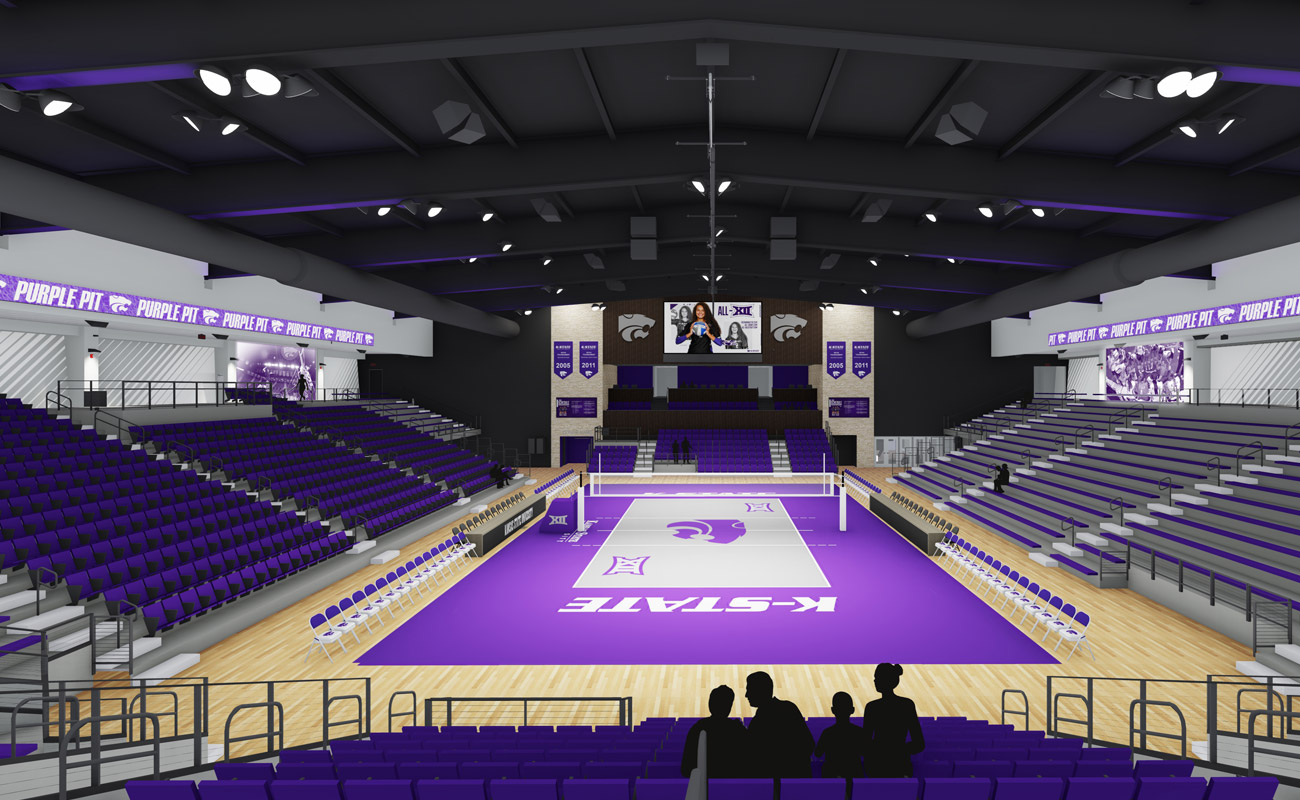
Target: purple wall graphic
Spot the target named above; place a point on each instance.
(848, 406)
(278, 365)
(1248, 311)
(1145, 372)
(79, 298)
(588, 358)
(575, 407)
(835, 359)
(563, 359)
(862, 359)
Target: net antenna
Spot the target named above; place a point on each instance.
(711, 55)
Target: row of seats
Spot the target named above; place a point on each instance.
(612, 458)
(394, 589)
(809, 450)
(923, 512)
(719, 450)
(486, 517)
(557, 480)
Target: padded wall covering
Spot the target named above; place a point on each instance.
(31, 364)
(124, 359)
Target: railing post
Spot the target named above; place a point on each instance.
(448, 711)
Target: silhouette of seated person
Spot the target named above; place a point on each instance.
(726, 742)
(842, 744)
(780, 744)
(1003, 478)
(891, 731)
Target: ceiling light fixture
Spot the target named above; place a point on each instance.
(528, 312)
(55, 103)
(505, 246)
(472, 259)
(1122, 87)
(1174, 82)
(10, 99)
(719, 232)
(1038, 212)
(230, 125)
(873, 262)
(298, 86)
(952, 260)
(409, 206)
(1144, 88)
(383, 210)
(190, 118)
(1226, 122)
(546, 261)
(1187, 128)
(487, 215)
(1202, 82)
(263, 81)
(986, 210)
(723, 185)
(433, 210)
(215, 79)
(931, 216)
(698, 185)
(897, 313)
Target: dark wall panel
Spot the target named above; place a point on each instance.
(921, 381)
(504, 381)
(625, 319)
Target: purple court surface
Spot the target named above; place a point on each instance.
(749, 574)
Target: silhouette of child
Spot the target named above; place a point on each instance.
(727, 739)
(891, 728)
(842, 744)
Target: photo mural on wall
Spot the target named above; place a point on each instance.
(278, 365)
(1145, 372)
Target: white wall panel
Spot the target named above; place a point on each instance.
(154, 361)
(31, 364)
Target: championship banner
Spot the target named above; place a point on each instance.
(862, 359)
(835, 359)
(79, 298)
(588, 358)
(563, 359)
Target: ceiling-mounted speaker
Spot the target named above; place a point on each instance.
(594, 261)
(457, 122)
(782, 244)
(961, 124)
(615, 286)
(546, 210)
(876, 210)
(644, 245)
(809, 286)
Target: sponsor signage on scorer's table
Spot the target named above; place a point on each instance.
(1247, 311)
(79, 298)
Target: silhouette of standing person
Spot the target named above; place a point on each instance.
(1003, 478)
(780, 744)
(842, 744)
(302, 386)
(890, 728)
(676, 452)
(686, 449)
(726, 741)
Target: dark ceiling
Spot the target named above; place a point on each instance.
(577, 112)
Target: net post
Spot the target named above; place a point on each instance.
(582, 511)
(844, 507)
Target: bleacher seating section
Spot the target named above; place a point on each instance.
(314, 471)
(712, 405)
(734, 450)
(1216, 489)
(148, 537)
(809, 450)
(612, 458)
(963, 760)
(360, 427)
(558, 479)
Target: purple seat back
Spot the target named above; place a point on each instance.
(531, 789)
(453, 790)
(1158, 768)
(240, 789)
(377, 790)
(163, 790)
(305, 790)
(1100, 789)
(886, 788)
(742, 789)
(661, 789)
(1261, 788)
(958, 788)
(244, 772)
(1170, 789)
(814, 789)
(1029, 789)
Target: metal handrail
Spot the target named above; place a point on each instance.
(624, 705)
(14, 725)
(58, 398)
(1215, 464)
(1056, 714)
(122, 425)
(414, 713)
(96, 760)
(1013, 712)
(174, 713)
(1166, 484)
(1078, 434)
(327, 723)
(1182, 722)
(1118, 504)
(1250, 737)
(39, 582)
(1069, 524)
(271, 707)
(1255, 448)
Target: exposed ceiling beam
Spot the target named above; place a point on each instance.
(362, 107)
(1067, 37)
(1262, 157)
(827, 88)
(477, 98)
(785, 198)
(319, 224)
(1084, 87)
(123, 142)
(831, 231)
(197, 102)
(594, 89)
(961, 174)
(941, 100)
(636, 195)
(1014, 218)
(1221, 103)
(1100, 225)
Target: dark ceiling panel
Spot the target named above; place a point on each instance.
(537, 94)
(1262, 116)
(407, 94)
(779, 96)
(644, 99)
(1012, 95)
(883, 95)
(1104, 126)
(30, 135)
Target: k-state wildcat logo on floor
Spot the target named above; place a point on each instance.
(716, 531)
(663, 605)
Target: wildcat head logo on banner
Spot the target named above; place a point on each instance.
(563, 359)
(835, 359)
(862, 359)
(588, 358)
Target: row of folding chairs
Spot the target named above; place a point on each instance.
(923, 512)
(1023, 598)
(393, 590)
(486, 516)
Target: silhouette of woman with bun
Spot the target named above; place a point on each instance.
(890, 728)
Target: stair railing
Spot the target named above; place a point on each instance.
(1166, 485)
(1216, 465)
(1250, 450)
(38, 580)
(1118, 504)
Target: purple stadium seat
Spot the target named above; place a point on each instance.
(933, 769)
(1242, 788)
(244, 772)
(234, 790)
(957, 789)
(1157, 768)
(309, 771)
(163, 790)
(377, 790)
(1029, 789)
(428, 771)
(530, 789)
(741, 788)
(886, 788)
(306, 756)
(813, 789)
(489, 770)
(1043, 769)
(663, 769)
(305, 790)
(1103, 769)
(558, 770)
(613, 769)
(374, 771)
(451, 790)
(1100, 789)
(1170, 789)
(601, 789)
(982, 769)
(1106, 754)
(661, 788)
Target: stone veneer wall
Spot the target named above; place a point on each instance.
(849, 324)
(575, 324)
